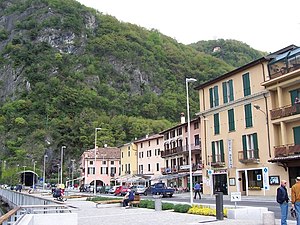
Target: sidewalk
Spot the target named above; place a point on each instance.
(88, 214)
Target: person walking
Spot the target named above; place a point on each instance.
(197, 189)
(283, 199)
(296, 199)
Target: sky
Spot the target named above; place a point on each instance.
(265, 25)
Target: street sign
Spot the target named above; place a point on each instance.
(236, 196)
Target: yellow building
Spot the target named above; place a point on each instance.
(129, 159)
(237, 133)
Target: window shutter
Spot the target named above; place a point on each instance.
(231, 97)
(213, 152)
(231, 120)
(248, 115)
(216, 123)
(255, 143)
(222, 151)
(244, 139)
(211, 98)
(224, 86)
(216, 95)
(246, 84)
(293, 94)
(296, 131)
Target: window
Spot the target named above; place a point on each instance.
(166, 136)
(197, 139)
(250, 146)
(294, 94)
(149, 167)
(216, 123)
(141, 144)
(217, 151)
(172, 133)
(196, 125)
(157, 166)
(113, 171)
(149, 153)
(231, 120)
(128, 148)
(246, 84)
(112, 162)
(103, 162)
(157, 141)
(91, 162)
(214, 96)
(141, 169)
(248, 115)
(91, 170)
(122, 155)
(149, 143)
(227, 91)
(104, 170)
(128, 153)
(296, 131)
(179, 131)
(255, 179)
(157, 152)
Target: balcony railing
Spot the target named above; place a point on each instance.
(179, 150)
(180, 169)
(286, 150)
(249, 156)
(285, 111)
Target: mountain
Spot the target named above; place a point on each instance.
(234, 53)
(66, 69)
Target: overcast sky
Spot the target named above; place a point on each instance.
(266, 25)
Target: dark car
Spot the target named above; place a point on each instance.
(84, 188)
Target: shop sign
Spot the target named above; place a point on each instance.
(266, 178)
(230, 158)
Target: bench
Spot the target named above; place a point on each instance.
(136, 201)
(108, 202)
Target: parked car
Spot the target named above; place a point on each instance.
(84, 188)
(122, 190)
(112, 189)
(139, 189)
(162, 189)
(107, 188)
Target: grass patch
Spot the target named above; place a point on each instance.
(99, 198)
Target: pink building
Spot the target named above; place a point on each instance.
(107, 166)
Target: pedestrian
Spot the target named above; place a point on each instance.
(296, 199)
(283, 199)
(128, 198)
(197, 189)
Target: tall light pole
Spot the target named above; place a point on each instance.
(33, 177)
(188, 80)
(57, 173)
(44, 171)
(95, 180)
(61, 163)
(24, 175)
(72, 160)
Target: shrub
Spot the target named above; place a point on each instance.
(99, 198)
(206, 211)
(182, 208)
(167, 206)
(144, 203)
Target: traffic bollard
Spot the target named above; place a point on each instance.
(219, 206)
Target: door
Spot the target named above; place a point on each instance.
(242, 182)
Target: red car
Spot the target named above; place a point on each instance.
(121, 190)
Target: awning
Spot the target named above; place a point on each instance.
(285, 158)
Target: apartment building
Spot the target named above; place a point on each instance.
(176, 153)
(237, 134)
(129, 159)
(106, 167)
(149, 156)
(283, 84)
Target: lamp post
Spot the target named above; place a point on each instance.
(44, 171)
(95, 180)
(188, 80)
(33, 177)
(61, 162)
(72, 160)
(24, 175)
(57, 173)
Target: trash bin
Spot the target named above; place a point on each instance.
(219, 206)
(157, 202)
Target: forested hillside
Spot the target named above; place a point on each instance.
(66, 69)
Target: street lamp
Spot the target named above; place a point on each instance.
(95, 180)
(57, 173)
(61, 163)
(72, 160)
(33, 177)
(188, 80)
(24, 175)
(44, 171)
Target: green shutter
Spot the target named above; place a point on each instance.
(231, 120)
(246, 84)
(296, 131)
(248, 115)
(293, 94)
(244, 146)
(216, 95)
(222, 151)
(231, 97)
(216, 123)
(213, 152)
(211, 97)
(255, 143)
(225, 99)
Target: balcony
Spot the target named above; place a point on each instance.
(285, 111)
(180, 169)
(286, 150)
(249, 156)
(179, 150)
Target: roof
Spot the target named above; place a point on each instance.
(176, 126)
(105, 153)
(147, 138)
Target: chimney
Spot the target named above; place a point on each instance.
(182, 118)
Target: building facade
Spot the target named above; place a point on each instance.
(129, 159)
(104, 170)
(237, 135)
